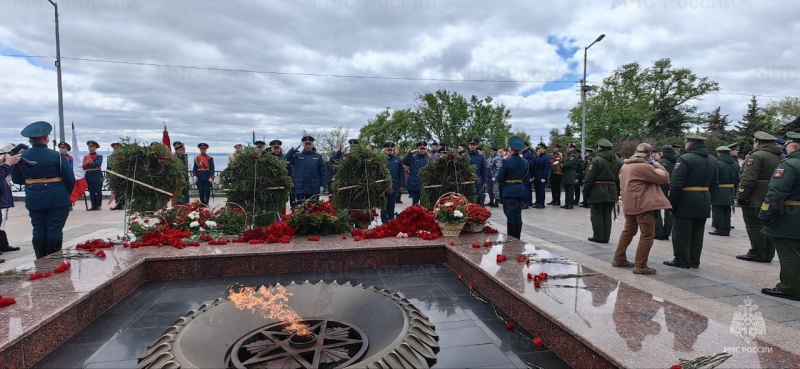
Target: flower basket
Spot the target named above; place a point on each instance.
(451, 230)
(475, 227)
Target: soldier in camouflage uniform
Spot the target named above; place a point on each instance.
(495, 161)
(695, 175)
(602, 190)
(722, 198)
(753, 183)
(572, 161)
(780, 214)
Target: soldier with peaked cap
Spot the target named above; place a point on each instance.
(398, 181)
(237, 149)
(119, 196)
(664, 224)
(753, 183)
(182, 197)
(342, 152)
(588, 156)
(540, 170)
(63, 149)
(601, 189)
(203, 170)
(676, 149)
(695, 175)
(275, 147)
(493, 165)
(481, 170)
(780, 215)
(48, 186)
(723, 197)
(93, 164)
(512, 175)
(556, 175)
(434, 151)
(569, 179)
(260, 146)
(415, 160)
(309, 172)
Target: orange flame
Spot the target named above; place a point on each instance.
(270, 303)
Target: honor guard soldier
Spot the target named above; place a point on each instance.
(556, 174)
(664, 224)
(512, 175)
(309, 172)
(479, 161)
(572, 161)
(398, 181)
(48, 186)
(753, 183)
(780, 214)
(275, 147)
(180, 152)
(237, 149)
(64, 148)
(722, 199)
(203, 170)
(601, 189)
(694, 176)
(92, 164)
(415, 160)
(588, 155)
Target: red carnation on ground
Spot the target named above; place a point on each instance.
(538, 342)
(509, 325)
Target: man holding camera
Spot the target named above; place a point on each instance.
(48, 181)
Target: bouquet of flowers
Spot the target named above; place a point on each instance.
(451, 213)
(193, 217)
(315, 217)
(477, 216)
(231, 221)
(363, 218)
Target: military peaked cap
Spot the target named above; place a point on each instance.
(604, 143)
(202, 145)
(764, 136)
(93, 143)
(37, 129)
(178, 145)
(694, 136)
(388, 145)
(353, 141)
(275, 143)
(307, 139)
(64, 144)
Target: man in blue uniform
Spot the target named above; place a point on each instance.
(275, 148)
(64, 148)
(479, 161)
(341, 153)
(398, 179)
(260, 147)
(203, 170)
(541, 170)
(47, 189)
(415, 161)
(512, 174)
(494, 163)
(434, 151)
(309, 172)
(528, 181)
(92, 164)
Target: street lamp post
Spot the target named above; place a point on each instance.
(584, 89)
(58, 72)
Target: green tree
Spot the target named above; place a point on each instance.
(787, 113)
(716, 129)
(636, 102)
(752, 121)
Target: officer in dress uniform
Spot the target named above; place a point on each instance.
(309, 172)
(695, 175)
(47, 188)
(237, 149)
(569, 177)
(780, 214)
(398, 181)
(92, 164)
(342, 152)
(602, 190)
(275, 147)
(203, 170)
(753, 183)
(512, 175)
(180, 153)
(556, 175)
(479, 161)
(64, 149)
(415, 160)
(723, 197)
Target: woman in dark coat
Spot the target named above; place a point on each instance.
(6, 200)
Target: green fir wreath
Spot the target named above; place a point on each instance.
(259, 183)
(448, 173)
(362, 180)
(153, 165)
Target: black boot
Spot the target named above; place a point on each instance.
(39, 248)
(96, 200)
(53, 246)
(4, 246)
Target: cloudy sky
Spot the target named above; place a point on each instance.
(295, 50)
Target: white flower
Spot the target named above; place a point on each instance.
(194, 224)
(402, 235)
(448, 204)
(194, 215)
(211, 224)
(156, 221)
(458, 214)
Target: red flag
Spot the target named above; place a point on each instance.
(165, 138)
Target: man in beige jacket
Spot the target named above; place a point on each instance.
(640, 180)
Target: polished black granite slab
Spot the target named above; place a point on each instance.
(471, 333)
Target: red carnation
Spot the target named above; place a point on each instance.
(509, 325)
(470, 285)
(676, 366)
(35, 276)
(536, 283)
(501, 258)
(459, 277)
(538, 342)
(530, 276)
(344, 237)
(521, 258)
(452, 243)
(476, 245)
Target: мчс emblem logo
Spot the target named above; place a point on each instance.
(747, 323)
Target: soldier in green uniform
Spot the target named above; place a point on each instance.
(601, 189)
(754, 179)
(588, 156)
(722, 198)
(664, 224)
(571, 163)
(694, 176)
(182, 197)
(780, 214)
